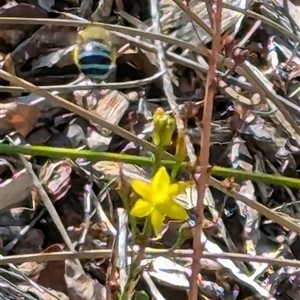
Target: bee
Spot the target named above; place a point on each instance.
(95, 53)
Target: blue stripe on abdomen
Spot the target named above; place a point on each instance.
(94, 60)
(94, 66)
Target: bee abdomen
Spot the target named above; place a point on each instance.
(94, 60)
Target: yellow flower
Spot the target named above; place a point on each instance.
(157, 199)
(164, 126)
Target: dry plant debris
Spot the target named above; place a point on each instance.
(175, 176)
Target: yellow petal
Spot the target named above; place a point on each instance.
(141, 209)
(157, 220)
(178, 188)
(141, 188)
(160, 181)
(173, 211)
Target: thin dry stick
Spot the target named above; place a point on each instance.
(80, 87)
(263, 210)
(167, 83)
(173, 41)
(194, 17)
(78, 110)
(209, 8)
(265, 20)
(51, 209)
(123, 133)
(202, 181)
(115, 28)
(66, 22)
(149, 252)
(122, 239)
(139, 24)
(133, 31)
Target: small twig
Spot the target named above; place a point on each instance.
(167, 83)
(111, 273)
(149, 252)
(150, 35)
(153, 290)
(202, 181)
(20, 275)
(139, 24)
(173, 41)
(66, 22)
(78, 110)
(263, 210)
(248, 35)
(263, 85)
(122, 246)
(167, 39)
(8, 247)
(210, 13)
(79, 87)
(265, 20)
(194, 17)
(114, 28)
(135, 266)
(50, 207)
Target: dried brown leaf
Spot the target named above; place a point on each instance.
(32, 269)
(31, 242)
(56, 178)
(12, 35)
(41, 294)
(52, 276)
(16, 189)
(81, 286)
(22, 117)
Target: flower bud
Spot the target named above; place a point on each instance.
(164, 126)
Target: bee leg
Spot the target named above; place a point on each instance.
(111, 75)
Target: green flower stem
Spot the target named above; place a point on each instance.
(175, 170)
(257, 177)
(140, 160)
(134, 271)
(53, 152)
(158, 155)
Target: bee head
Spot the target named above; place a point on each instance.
(93, 32)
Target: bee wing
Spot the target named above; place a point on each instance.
(113, 56)
(75, 55)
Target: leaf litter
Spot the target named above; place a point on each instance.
(255, 128)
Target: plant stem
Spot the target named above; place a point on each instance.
(54, 152)
(129, 288)
(157, 159)
(140, 160)
(203, 161)
(257, 177)
(175, 170)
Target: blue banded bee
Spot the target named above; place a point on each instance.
(95, 53)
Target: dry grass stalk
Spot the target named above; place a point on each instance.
(203, 160)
